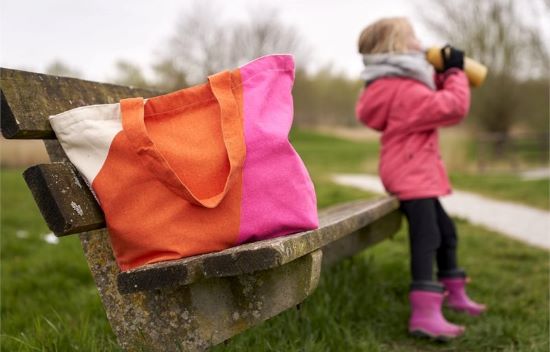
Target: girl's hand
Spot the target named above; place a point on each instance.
(452, 57)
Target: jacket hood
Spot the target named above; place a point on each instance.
(373, 106)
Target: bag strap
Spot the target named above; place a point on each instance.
(133, 124)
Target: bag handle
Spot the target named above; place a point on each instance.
(133, 124)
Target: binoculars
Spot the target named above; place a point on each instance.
(475, 71)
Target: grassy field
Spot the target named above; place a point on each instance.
(49, 301)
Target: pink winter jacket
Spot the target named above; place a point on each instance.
(408, 114)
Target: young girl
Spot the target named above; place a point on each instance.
(404, 100)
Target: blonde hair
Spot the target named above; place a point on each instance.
(387, 35)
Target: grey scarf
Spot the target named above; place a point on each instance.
(411, 65)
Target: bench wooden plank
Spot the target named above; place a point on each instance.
(64, 199)
(335, 223)
(28, 99)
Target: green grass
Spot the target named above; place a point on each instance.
(506, 187)
(361, 304)
(325, 155)
(49, 301)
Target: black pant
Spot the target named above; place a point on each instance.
(431, 233)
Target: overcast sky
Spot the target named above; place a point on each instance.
(90, 36)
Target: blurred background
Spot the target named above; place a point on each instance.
(176, 44)
(49, 301)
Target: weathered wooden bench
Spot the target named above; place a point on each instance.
(187, 304)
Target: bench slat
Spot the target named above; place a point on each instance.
(335, 224)
(64, 199)
(29, 98)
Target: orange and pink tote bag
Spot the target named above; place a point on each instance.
(197, 170)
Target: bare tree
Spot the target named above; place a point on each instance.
(500, 33)
(503, 35)
(203, 43)
(264, 34)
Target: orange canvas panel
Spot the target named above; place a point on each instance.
(185, 129)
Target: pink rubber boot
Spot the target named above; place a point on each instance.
(457, 298)
(427, 319)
